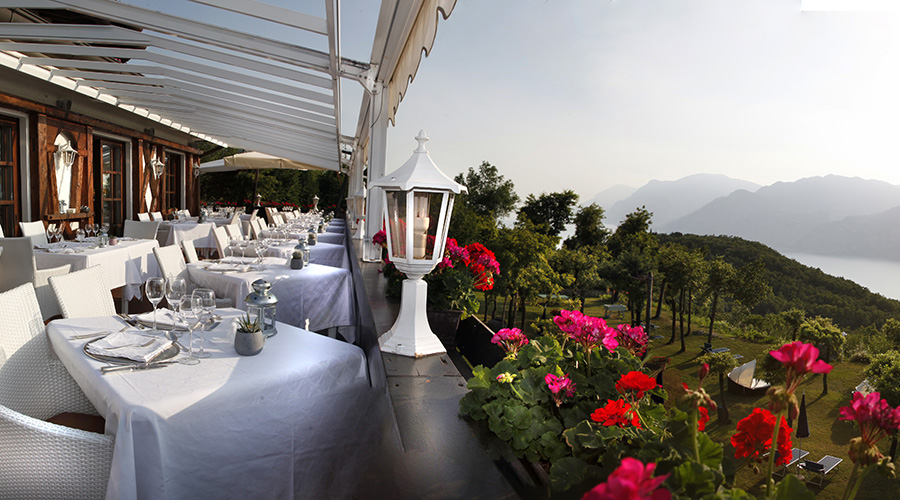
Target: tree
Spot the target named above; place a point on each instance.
(633, 249)
(891, 330)
(794, 318)
(489, 193)
(884, 374)
(589, 228)
(719, 278)
(721, 363)
(550, 212)
(827, 337)
(582, 266)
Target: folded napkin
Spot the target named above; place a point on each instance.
(61, 250)
(129, 344)
(165, 318)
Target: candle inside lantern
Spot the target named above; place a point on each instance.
(420, 226)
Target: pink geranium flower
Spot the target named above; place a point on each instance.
(559, 387)
(799, 359)
(875, 419)
(510, 339)
(631, 481)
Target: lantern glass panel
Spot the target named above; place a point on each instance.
(427, 212)
(396, 210)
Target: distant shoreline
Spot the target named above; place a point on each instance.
(880, 276)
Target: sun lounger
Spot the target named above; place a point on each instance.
(796, 455)
(707, 347)
(820, 469)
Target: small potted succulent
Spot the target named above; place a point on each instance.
(248, 336)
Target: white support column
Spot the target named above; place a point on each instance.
(377, 161)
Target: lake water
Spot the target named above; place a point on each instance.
(879, 276)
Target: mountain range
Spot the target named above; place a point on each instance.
(829, 215)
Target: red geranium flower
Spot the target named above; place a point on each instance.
(754, 437)
(704, 418)
(637, 382)
(616, 413)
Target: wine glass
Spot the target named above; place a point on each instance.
(191, 311)
(58, 230)
(208, 303)
(79, 235)
(176, 289)
(155, 289)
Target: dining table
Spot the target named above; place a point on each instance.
(174, 232)
(127, 264)
(326, 254)
(289, 422)
(323, 295)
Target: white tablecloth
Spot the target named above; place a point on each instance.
(333, 238)
(127, 264)
(286, 423)
(326, 254)
(323, 294)
(174, 233)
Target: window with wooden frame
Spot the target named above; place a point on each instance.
(9, 175)
(173, 184)
(109, 182)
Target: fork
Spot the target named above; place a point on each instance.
(102, 334)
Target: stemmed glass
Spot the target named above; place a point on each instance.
(51, 230)
(176, 289)
(155, 289)
(208, 303)
(232, 243)
(79, 235)
(59, 232)
(191, 312)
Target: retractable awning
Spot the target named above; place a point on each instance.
(252, 160)
(220, 83)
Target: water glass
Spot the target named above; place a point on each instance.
(176, 289)
(155, 290)
(79, 236)
(208, 303)
(191, 313)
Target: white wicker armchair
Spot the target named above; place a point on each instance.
(18, 267)
(171, 264)
(144, 217)
(41, 460)
(83, 294)
(141, 230)
(190, 251)
(157, 216)
(35, 231)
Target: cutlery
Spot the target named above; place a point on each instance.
(143, 366)
(101, 334)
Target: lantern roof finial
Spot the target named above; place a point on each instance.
(419, 171)
(422, 138)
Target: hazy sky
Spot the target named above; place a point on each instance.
(588, 94)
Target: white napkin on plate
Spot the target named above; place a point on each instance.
(129, 344)
(165, 318)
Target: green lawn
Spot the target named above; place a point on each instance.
(828, 435)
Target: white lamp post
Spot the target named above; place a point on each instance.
(418, 200)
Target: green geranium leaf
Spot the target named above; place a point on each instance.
(470, 406)
(791, 488)
(695, 480)
(518, 416)
(567, 472)
(710, 451)
(481, 378)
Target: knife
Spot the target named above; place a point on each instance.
(127, 368)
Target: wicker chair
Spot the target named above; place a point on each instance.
(172, 265)
(35, 231)
(83, 294)
(221, 240)
(234, 231)
(144, 217)
(190, 252)
(40, 459)
(157, 216)
(141, 230)
(18, 268)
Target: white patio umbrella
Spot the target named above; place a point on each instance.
(251, 160)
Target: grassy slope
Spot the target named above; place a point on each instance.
(828, 435)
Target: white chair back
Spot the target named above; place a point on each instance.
(141, 230)
(234, 231)
(1, 232)
(18, 267)
(253, 213)
(144, 217)
(186, 213)
(190, 252)
(236, 218)
(83, 294)
(255, 225)
(157, 216)
(221, 240)
(171, 263)
(74, 225)
(35, 231)
(33, 387)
